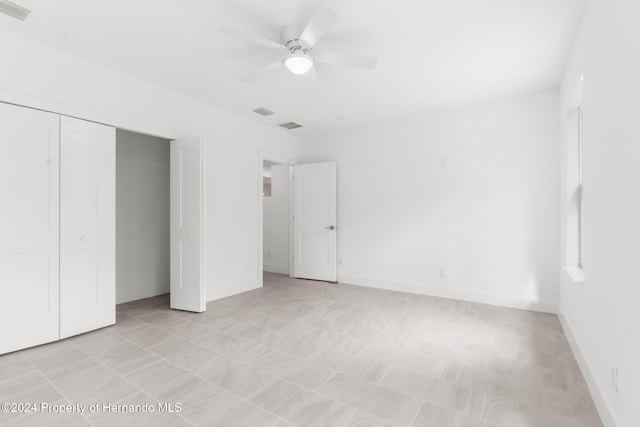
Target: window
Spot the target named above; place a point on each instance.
(580, 190)
(575, 120)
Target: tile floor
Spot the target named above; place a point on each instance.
(306, 353)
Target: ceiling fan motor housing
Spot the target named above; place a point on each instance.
(291, 39)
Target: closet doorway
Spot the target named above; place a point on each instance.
(142, 216)
(159, 211)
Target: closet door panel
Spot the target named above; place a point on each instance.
(87, 221)
(29, 227)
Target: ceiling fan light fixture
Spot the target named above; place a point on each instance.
(299, 63)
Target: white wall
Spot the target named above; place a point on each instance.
(39, 76)
(471, 191)
(601, 315)
(142, 216)
(276, 222)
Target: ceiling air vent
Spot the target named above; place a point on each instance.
(290, 125)
(263, 111)
(14, 10)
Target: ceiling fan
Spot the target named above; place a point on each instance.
(297, 47)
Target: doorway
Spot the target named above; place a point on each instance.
(297, 219)
(142, 216)
(275, 203)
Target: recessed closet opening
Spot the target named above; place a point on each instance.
(142, 216)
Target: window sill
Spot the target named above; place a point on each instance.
(576, 274)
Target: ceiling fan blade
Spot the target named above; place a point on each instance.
(253, 38)
(317, 26)
(347, 59)
(250, 78)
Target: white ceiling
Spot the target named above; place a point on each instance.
(432, 54)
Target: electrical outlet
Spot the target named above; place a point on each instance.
(340, 263)
(443, 274)
(614, 378)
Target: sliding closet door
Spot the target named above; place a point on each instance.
(29, 144)
(87, 222)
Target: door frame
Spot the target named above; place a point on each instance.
(270, 157)
(34, 103)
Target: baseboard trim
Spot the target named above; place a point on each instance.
(503, 300)
(133, 294)
(602, 403)
(274, 268)
(229, 292)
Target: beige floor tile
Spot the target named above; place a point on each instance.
(165, 381)
(387, 404)
(134, 416)
(333, 325)
(98, 384)
(233, 375)
(506, 413)
(284, 423)
(13, 364)
(351, 364)
(245, 330)
(183, 353)
(343, 342)
(146, 335)
(215, 320)
(362, 419)
(380, 336)
(59, 359)
(513, 389)
(433, 415)
(287, 344)
(431, 389)
(124, 322)
(91, 342)
(238, 348)
(38, 419)
(452, 354)
(222, 408)
(125, 357)
(581, 422)
(160, 318)
(27, 387)
(576, 404)
(287, 327)
(300, 406)
(298, 371)
(247, 315)
(194, 332)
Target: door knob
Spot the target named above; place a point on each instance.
(83, 238)
(331, 227)
(187, 234)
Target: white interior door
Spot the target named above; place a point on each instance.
(87, 226)
(314, 221)
(187, 287)
(29, 227)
